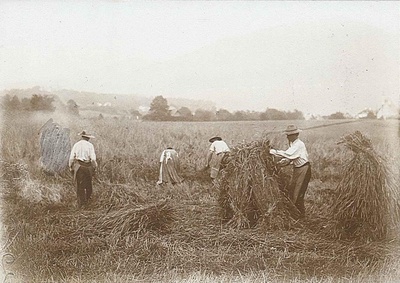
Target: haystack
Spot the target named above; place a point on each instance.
(366, 204)
(252, 188)
(55, 147)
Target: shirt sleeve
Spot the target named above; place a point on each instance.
(291, 153)
(212, 147)
(92, 153)
(71, 156)
(227, 148)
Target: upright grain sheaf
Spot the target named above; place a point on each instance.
(55, 147)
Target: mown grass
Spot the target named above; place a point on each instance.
(49, 236)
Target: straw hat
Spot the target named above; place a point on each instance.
(86, 135)
(291, 130)
(213, 139)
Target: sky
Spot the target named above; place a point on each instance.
(318, 57)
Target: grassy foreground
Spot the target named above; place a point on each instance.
(53, 241)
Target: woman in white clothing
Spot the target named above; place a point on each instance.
(169, 167)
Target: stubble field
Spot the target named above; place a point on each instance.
(51, 240)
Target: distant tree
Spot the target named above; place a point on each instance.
(224, 115)
(158, 110)
(41, 103)
(239, 116)
(6, 102)
(9, 103)
(337, 115)
(35, 103)
(15, 103)
(203, 115)
(263, 116)
(25, 104)
(135, 113)
(295, 115)
(72, 107)
(274, 114)
(371, 115)
(185, 113)
(252, 115)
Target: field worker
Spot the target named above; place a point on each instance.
(82, 162)
(218, 150)
(169, 167)
(296, 155)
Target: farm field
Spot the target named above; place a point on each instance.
(183, 239)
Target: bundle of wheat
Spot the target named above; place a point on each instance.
(132, 219)
(251, 188)
(366, 203)
(117, 195)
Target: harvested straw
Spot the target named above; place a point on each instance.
(117, 195)
(129, 220)
(366, 204)
(251, 188)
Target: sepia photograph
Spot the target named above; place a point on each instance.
(199, 141)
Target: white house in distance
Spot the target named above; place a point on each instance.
(364, 114)
(144, 109)
(388, 110)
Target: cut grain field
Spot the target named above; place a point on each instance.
(136, 231)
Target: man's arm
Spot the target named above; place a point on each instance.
(71, 158)
(93, 157)
(291, 153)
(209, 156)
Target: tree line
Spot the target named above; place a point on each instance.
(36, 102)
(160, 111)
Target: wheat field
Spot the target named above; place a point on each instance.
(181, 237)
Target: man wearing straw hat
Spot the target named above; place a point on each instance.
(217, 151)
(296, 155)
(82, 162)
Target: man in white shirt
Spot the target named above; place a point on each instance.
(296, 155)
(82, 162)
(217, 151)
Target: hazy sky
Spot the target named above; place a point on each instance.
(318, 57)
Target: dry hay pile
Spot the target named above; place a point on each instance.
(252, 188)
(366, 205)
(128, 220)
(133, 220)
(137, 219)
(13, 174)
(117, 195)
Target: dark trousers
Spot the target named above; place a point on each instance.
(83, 184)
(298, 186)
